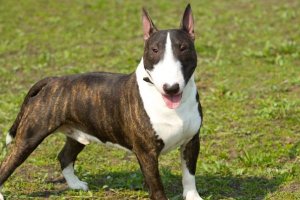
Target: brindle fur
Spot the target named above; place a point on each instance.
(88, 103)
(105, 105)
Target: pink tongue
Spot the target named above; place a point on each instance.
(172, 101)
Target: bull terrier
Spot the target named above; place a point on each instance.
(148, 112)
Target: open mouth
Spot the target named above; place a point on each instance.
(172, 101)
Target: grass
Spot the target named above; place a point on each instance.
(248, 78)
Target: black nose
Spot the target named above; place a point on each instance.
(171, 89)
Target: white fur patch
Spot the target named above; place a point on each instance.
(174, 126)
(86, 139)
(188, 183)
(82, 137)
(8, 139)
(168, 70)
(72, 180)
(1, 196)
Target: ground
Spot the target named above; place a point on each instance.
(248, 77)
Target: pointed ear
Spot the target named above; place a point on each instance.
(148, 26)
(187, 23)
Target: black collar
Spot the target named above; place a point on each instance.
(147, 80)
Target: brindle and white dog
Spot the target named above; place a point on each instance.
(148, 112)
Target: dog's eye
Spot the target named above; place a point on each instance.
(154, 50)
(182, 47)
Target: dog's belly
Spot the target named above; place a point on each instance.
(86, 139)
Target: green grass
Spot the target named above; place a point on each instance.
(248, 77)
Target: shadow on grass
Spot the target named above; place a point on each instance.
(209, 186)
(219, 187)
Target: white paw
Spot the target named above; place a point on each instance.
(1, 196)
(78, 185)
(192, 195)
(72, 180)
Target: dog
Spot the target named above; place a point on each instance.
(148, 112)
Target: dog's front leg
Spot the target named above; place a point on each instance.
(148, 161)
(189, 155)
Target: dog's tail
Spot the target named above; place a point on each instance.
(34, 90)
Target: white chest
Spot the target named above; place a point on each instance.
(174, 126)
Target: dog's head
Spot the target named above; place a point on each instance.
(170, 57)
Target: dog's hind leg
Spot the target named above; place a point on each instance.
(28, 137)
(37, 121)
(67, 158)
(34, 90)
